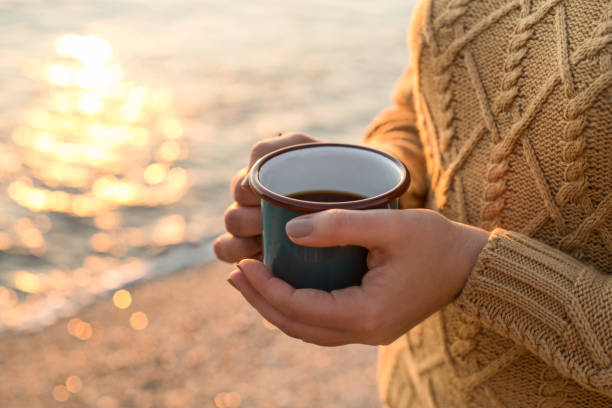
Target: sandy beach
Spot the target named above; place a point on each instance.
(186, 340)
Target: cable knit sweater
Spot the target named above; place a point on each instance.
(505, 122)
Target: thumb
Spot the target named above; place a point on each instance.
(367, 228)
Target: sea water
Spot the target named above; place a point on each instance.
(121, 123)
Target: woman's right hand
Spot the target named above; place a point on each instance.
(243, 217)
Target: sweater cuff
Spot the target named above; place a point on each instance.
(521, 285)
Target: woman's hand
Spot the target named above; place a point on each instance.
(418, 262)
(243, 216)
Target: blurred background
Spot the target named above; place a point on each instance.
(121, 124)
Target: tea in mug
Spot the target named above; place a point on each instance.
(326, 196)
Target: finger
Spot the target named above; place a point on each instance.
(369, 228)
(375, 259)
(244, 197)
(269, 145)
(243, 221)
(308, 333)
(346, 309)
(229, 248)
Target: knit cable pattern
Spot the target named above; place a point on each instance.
(513, 107)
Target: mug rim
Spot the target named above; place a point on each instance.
(311, 206)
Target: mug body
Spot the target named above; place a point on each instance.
(328, 167)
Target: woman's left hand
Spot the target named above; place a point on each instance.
(418, 262)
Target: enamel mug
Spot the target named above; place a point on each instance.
(375, 179)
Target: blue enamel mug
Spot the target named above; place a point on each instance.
(312, 177)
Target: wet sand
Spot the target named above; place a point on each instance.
(203, 347)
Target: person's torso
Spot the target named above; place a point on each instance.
(514, 105)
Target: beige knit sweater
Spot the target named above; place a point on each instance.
(506, 123)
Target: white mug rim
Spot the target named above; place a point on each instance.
(376, 201)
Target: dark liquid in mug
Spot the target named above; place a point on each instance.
(326, 196)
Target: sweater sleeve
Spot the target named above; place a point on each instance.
(557, 307)
(394, 131)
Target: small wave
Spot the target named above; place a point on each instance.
(45, 309)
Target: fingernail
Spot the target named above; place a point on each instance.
(232, 283)
(245, 183)
(299, 228)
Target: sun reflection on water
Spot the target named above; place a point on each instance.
(94, 120)
(98, 142)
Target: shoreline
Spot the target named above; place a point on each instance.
(203, 345)
(40, 312)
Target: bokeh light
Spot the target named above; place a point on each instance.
(60, 393)
(79, 329)
(169, 230)
(122, 299)
(74, 384)
(27, 282)
(155, 173)
(139, 321)
(101, 242)
(108, 221)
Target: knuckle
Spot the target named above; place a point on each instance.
(232, 220)
(434, 219)
(220, 249)
(235, 186)
(298, 137)
(338, 219)
(260, 149)
(239, 194)
(247, 198)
